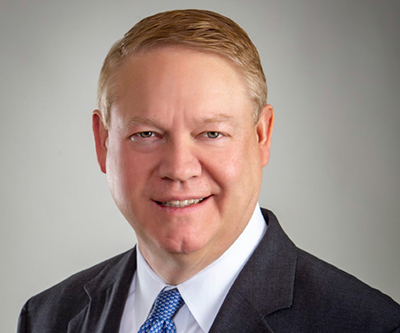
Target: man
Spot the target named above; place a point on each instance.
(182, 133)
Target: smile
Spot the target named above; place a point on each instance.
(181, 203)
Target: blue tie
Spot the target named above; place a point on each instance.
(165, 306)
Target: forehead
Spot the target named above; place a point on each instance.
(181, 71)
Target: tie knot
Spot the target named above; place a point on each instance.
(166, 304)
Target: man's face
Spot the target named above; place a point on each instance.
(182, 154)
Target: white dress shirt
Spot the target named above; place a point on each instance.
(203, 293)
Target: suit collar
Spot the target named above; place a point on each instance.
(264, 286)
(107, 294)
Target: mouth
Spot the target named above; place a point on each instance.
(180, 203)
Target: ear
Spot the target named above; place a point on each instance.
(100, 138)
(264, 129)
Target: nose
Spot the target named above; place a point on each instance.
(179, 162)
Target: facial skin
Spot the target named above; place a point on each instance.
(182, 129)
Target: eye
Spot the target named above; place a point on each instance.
(212, 135)
(147, 134)
(144, 136)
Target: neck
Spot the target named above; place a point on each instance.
(176, 268)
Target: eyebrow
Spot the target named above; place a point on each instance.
(219, 118)
(141, 120)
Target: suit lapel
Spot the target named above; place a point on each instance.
(264, 286)
(107, 294)
(238, 315)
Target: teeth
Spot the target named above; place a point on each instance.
(182, 203)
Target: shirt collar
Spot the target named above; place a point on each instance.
(148, 286)
(205, 292)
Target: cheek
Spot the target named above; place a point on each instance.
(236, 163)
(242, 171)
(123, 172)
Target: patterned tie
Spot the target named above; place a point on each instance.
(165, 306)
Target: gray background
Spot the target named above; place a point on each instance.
(333, 179)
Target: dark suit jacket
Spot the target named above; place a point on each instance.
(280, 289)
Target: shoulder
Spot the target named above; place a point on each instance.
(55, 306)
(314, 274)
(337, 298)
(328, 299)
(74, 285)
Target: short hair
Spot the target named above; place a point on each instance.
(201, 30)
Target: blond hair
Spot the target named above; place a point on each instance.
(202, 30)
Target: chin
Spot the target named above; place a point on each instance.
(182, 246)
